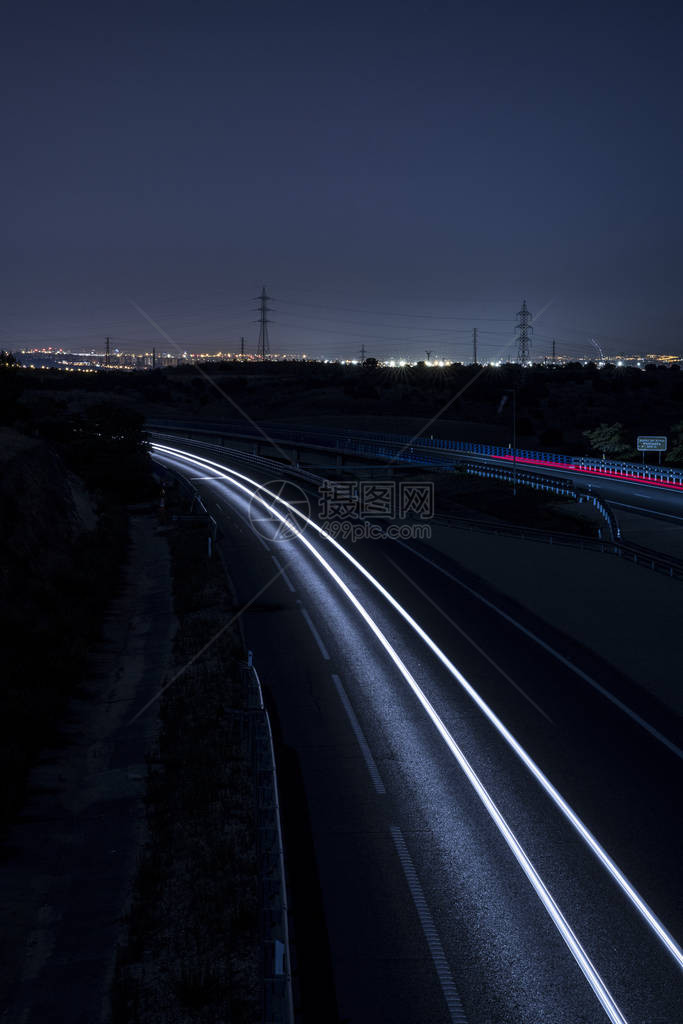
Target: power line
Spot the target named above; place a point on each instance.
(354, 334)
(394, 327)
(378, 312)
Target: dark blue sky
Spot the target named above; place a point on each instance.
(362, 161)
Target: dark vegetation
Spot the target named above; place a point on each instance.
(73, 460)
(67, 474)
(555, 405)
(193, 945)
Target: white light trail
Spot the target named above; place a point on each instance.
(589, 970)
(648, 915)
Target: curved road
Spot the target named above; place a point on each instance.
(643, 495)
(431, 911)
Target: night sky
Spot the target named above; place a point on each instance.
(395, 174)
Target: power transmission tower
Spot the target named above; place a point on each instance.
(428, 353)
(241, 346)
(474, 345)
(263, 348)
(525, 329)
(362, 353)
(106, 352)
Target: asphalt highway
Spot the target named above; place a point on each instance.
(638, 495)
(476, 831)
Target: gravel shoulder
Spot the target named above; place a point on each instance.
(193, 945)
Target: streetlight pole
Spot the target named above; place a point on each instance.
(513, 392)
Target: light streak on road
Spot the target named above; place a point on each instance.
(610, 474)
(587, 967)
(647, 914)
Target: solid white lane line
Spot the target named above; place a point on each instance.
(556, 654)
(649, 511)
(284, 575)
(610, 866)
(448, 986)
(316, 635)
(360, 736)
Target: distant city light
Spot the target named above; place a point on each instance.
(42, 358)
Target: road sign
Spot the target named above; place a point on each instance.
(651, 444)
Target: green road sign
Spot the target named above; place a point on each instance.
(649, 443)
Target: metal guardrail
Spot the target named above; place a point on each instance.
(551, 485)
(652, 559)
(254, 460)
(551, 537)
(668, 475)
(635, 553)
(278, 1002)
(556, 485)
